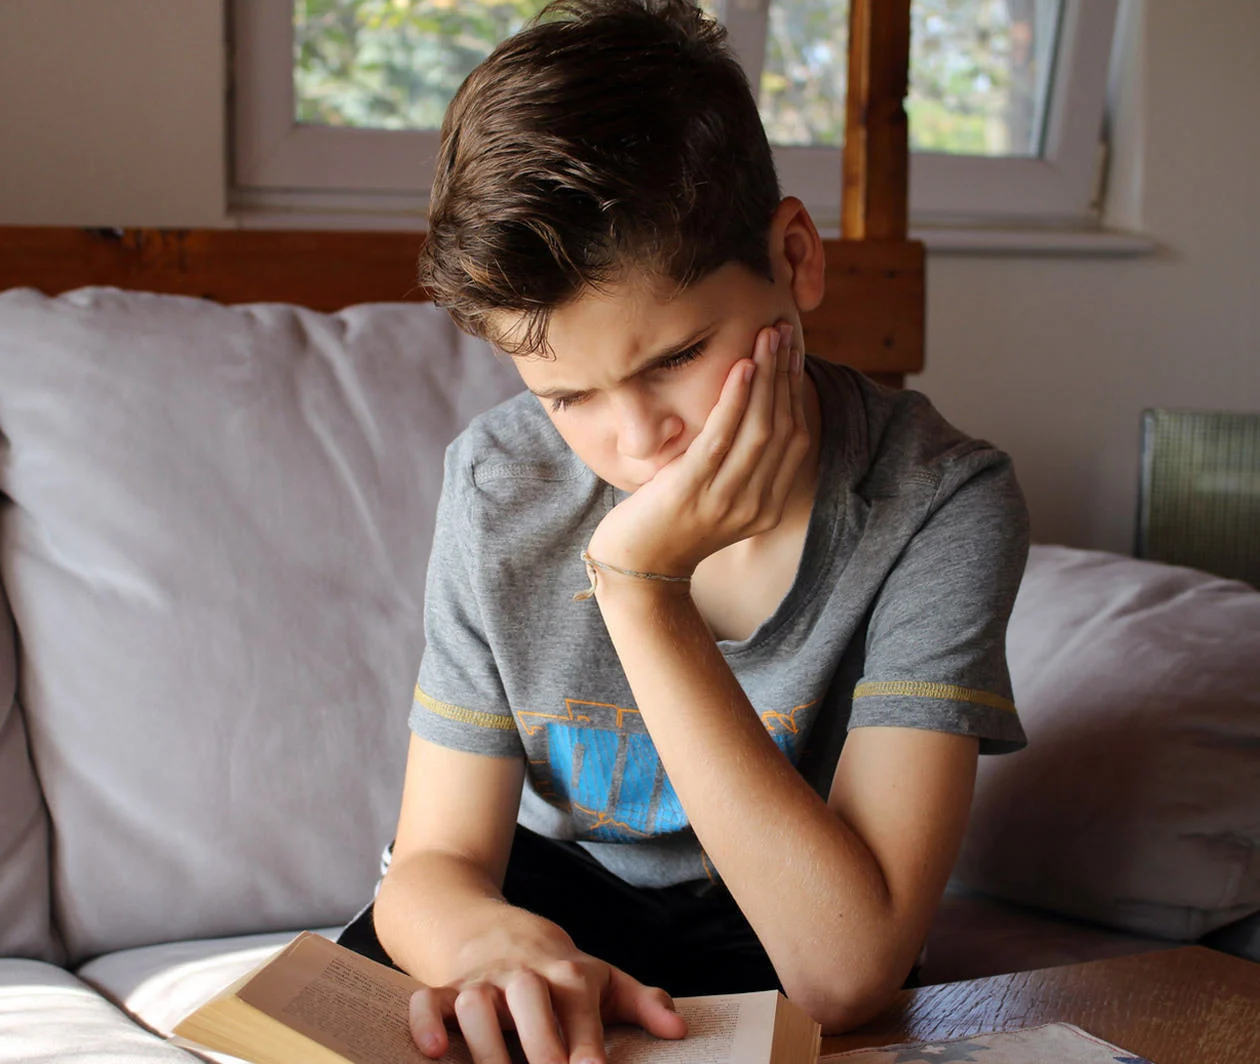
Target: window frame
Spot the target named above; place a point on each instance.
(326, 173)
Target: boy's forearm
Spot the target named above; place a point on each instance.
(837, 946)
(436, 913)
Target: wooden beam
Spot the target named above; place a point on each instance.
(871, 317)
(321, 270)
(876, 144)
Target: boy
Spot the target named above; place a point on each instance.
(745, 758)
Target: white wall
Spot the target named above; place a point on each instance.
(111, 113)
(1054, 359)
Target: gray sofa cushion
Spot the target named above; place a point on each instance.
(25, 900)
(1137, 802)
(215, 559)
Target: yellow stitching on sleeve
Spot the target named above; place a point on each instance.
(465, 716)
(947, 691)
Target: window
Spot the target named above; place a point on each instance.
(338, 101)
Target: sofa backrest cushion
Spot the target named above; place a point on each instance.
(1137, 801)
(215, 558)
(25, 898)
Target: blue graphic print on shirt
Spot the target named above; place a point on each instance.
(612, 775)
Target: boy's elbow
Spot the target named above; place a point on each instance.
(839, 1001)
(836, 1015)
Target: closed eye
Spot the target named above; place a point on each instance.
(681, 358)
(674, 361)
(563, 402)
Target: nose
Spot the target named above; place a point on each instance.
(644, 425)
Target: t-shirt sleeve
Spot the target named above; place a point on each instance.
(459, 698)
(936, 642)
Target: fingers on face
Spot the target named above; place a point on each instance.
(772, 438)
(722, 425)
(791, 428)
(748, 434)
(769, 353)
(786, 380)
(799, 442)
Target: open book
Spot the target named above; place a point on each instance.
(321, 1003)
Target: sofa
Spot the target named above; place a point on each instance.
(214, 528)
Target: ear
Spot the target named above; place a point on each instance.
(796, 253)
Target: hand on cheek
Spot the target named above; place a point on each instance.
(734, 479)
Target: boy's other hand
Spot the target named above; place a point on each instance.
(732, 482)
(557, 1008)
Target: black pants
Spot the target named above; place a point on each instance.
(687, 942)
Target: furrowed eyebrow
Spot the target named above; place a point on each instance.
(697, 338)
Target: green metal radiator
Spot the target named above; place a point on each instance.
(1199, 496)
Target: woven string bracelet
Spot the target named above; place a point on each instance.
(593, 565)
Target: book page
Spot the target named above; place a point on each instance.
(351, 1005)
(721, 1030)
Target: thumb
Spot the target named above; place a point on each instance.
(649, 1007)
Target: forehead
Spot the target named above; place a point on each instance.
(633, 318)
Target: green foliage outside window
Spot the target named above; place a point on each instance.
(976, 66)
(393, 64)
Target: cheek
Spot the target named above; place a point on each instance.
(589, 434)
(587, 437)
(702, 391)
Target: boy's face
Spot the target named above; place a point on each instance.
(638, 367)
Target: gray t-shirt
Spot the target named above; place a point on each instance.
(897, 616)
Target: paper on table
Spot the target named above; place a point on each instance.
(1051, 1043)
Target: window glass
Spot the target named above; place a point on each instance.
(979, 74)
(979, 82)
(392, 64)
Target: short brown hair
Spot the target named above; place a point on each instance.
(607, 135)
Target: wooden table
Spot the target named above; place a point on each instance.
(1177, 1006)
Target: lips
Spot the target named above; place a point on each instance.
(637, 479)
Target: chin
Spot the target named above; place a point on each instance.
(631, 482)
(628, 484)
